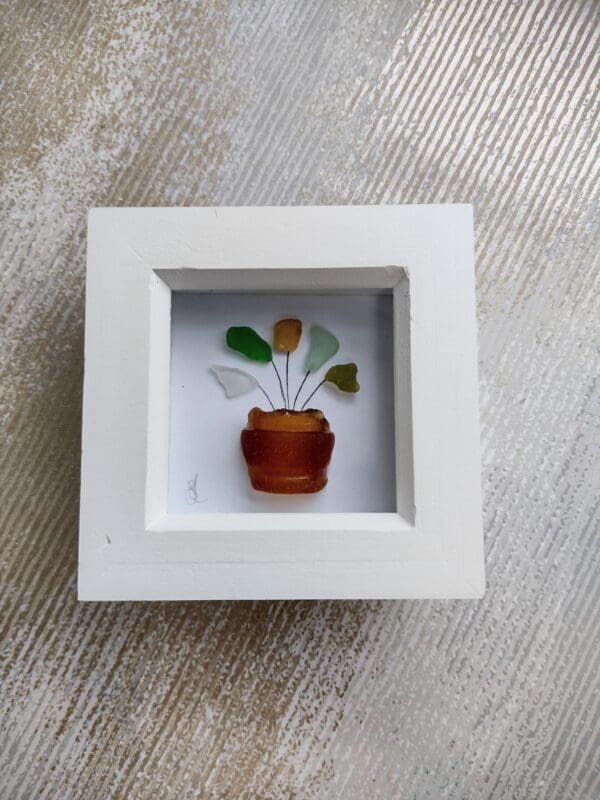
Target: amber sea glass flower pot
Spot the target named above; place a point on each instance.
(287, 452)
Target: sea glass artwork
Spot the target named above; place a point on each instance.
(287, 450)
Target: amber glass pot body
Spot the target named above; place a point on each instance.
(287, 452)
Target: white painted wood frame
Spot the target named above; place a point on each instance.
(130, 548)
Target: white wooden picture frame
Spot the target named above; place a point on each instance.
(132, 548)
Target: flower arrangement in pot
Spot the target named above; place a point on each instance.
(288, 449)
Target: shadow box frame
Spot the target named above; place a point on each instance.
(132, 548)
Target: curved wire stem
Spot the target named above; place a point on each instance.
(280, 383)
(300, 389)
(316, 389)
(266, 395)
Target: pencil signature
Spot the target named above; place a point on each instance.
(191, 493)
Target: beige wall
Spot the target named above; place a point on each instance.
(148, 103)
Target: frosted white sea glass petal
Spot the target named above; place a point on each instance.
(234, 381)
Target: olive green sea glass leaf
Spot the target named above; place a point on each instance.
(344, 377)
(323, 346)
(246, 341)
(234, 381)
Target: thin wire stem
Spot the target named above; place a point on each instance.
(266, 395)
(300, 388)
(280, 383)
(287, 377)
(311, 394)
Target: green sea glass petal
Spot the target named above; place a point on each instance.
(344, 377)
(246, 341)
(323, 346)
(234, 381)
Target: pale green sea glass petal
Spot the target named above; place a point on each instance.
(234, 381)
(323, 346)
(344, 377)
(246, 341)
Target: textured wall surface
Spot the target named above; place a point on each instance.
(150, 103)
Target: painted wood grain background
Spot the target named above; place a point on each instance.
(148, 103)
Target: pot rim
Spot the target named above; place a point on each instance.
(309, 420)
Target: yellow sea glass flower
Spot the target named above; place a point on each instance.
(286, 335)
